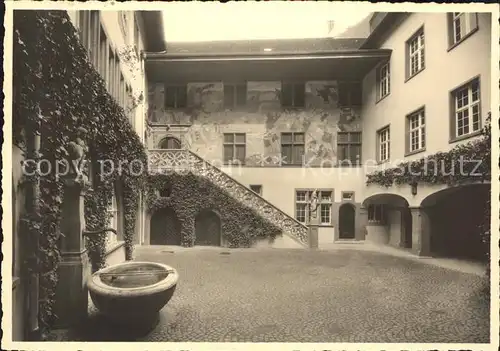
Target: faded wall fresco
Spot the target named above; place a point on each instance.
(201, 125)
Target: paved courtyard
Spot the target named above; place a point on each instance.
(303, 296)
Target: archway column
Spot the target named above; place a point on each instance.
(362, 222)
(421, 231)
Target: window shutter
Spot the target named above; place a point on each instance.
(449, 18)
(473, 21)
(377, 80)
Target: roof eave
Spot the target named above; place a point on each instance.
(386, 24)
(154, 31)
(338, 54)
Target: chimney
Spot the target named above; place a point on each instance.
(331, 24)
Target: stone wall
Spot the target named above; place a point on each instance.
(201, 125)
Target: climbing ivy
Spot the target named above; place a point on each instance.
(456, 167)
(57, 91)
(190, 194)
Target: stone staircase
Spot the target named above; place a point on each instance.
(184, 161)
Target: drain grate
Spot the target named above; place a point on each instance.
(225, 253)
(168, 251)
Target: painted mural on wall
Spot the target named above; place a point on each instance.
(262, 119)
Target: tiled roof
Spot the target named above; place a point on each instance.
(257, 46)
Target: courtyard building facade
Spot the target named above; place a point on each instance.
(272, 122)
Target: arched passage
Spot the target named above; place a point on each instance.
(165, 228)
(347, 221)
(389, 220)
(455, 215)
(207, 228)
(170, 143)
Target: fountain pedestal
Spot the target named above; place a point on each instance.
(71, 297)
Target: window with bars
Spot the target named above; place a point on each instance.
(234, 148)
(349, 148)
(461, 25)
(293, 94)
(324, 210)
(415, 53)
(235, 95)
(376, 214)
(176, 96)
(292, 149)
(383, 81)
(384, 144)
(415, 129)
(466, 117)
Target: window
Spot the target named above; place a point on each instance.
(348, 196)
(461, 25)
(166, 191)
(170, 143)
(415, 131)
(349, 148)
(376, 214)
(466, 117)
(383, 81)
(350, 94)
(292, 148)
(235, 95)
(113, 220)
(415, 53)
(93, 45)
(123, 22)
(176, 96)
(293, 94)
(103, 54)
(234, 148)
(256, 189)
(111, 70)
(384, 144)
(136, 36)
(324, 210)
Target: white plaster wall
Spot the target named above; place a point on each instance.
(444, 71)
(377, 234)
(394, 224)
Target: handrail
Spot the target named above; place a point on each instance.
(88, 233)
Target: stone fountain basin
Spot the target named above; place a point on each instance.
(133, 293)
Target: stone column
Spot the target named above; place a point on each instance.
(71, 298)
(313, 231)
(361, 223)
(421, 233)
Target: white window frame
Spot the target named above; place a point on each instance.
(416, 50)
(416, 130)
(325, 205)
(384, 144)
(384, 80)
(465, 26)
(467, 108)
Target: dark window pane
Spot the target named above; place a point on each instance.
(355, 154)
(239, 138)
(228, 138)
(355, 137)
(286, 138)
(342, 152)
(241, 95)
(181, 97)
(343, 137)
(286, 154)
(228, 153)
(240, 153)
(298, 153)
(298, 138)
(286, 95)
(299, 98)
(228, 96)
(170, 97)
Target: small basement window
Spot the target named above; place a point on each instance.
(166, 191)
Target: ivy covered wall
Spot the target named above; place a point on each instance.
(263, 119)
(190, 194)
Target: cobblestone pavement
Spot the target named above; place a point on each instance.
(304, 296)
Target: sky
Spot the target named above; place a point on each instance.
(197, 21)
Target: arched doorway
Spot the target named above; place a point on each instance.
(455, 215)
(208, 229)
(170, 143)
(165, 228)
(347, 224)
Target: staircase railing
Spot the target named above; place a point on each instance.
(186, 160)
